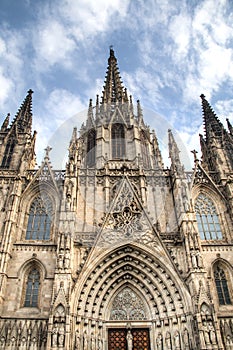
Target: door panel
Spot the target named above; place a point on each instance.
(141, 339)
(117, 339)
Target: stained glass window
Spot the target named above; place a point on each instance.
(118, 141)
(39, 221)
(91, 147)
(221, 286)
(207, 218)
(32, 289)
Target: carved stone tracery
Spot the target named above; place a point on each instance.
(127, 305)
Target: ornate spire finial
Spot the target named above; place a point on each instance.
(111, 50)
(113, 90)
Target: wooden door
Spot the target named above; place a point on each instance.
(117, 339)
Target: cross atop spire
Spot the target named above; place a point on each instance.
(211, 122)
(113, 90)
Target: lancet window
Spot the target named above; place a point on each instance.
(145, 151)
(221, 285)
(32, 288)
(8, 153)
(91, 147)
(118, 141)
(40, 219)
(207, 218)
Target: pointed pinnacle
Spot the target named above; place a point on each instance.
(230, 128)
(23, 118)
(113, 90)
(6, 122)
(173, 148)
(212, 124)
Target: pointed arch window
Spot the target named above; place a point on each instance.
(91, 147)
(32, 288)
(8, 153)
(221, 285)
(40, 219)
(207, 219)
(118, 141)
(145, 151)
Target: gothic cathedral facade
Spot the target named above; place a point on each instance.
(116, 252)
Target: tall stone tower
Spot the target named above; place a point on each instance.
(115, 252)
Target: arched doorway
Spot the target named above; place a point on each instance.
(130, 289)
(126, 307)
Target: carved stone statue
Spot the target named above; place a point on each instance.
(194, 260)
(60, 261)
(177, 340)
(55, 335)
(186, 339)
(168, 341)
(199, 260)
(92, 341)
(61, 335)
(77, 340)
(67, 259)
(100, 344)
(85, 341)
(159, 342)
(206, 333)
(129, 338)
(212, 334)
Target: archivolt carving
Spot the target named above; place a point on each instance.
(127, 306)
(124, 268)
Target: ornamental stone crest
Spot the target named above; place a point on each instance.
(126, 219)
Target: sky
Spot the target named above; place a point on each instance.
(168, 51)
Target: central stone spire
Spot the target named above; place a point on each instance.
(113, 90)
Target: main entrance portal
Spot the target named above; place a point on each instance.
(123, 339)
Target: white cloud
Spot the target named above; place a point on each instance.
(53, 44)
(180, 32)
(63, 111)
(2, 47)
(62, 104)
(70, 25)
(12, 44)
(143, 85)
(7, 85)
(91, 17)
(215, 67)
(224, 108)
